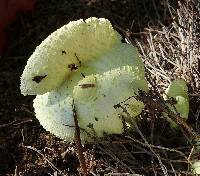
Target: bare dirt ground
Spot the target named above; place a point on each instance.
(27, 149)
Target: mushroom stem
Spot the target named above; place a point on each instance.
(79, 146)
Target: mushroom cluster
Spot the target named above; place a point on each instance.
(85, 63)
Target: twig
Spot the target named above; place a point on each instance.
(16, 171)
(8, 124)
(23, 122)
(24, 108)
(190, 155)
(15, 124)
(78, 142)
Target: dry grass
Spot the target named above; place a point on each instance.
(173, 51)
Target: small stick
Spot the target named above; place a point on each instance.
(16, 171)
(23, 122)
(79, 146)
(190, 155)
(15, 123)
(8, 124)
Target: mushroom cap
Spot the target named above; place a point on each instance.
(71, 45)
(177, 87)
(179, 91)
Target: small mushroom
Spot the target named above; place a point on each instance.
(109, 72)
(118, 85)
(178, 91)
